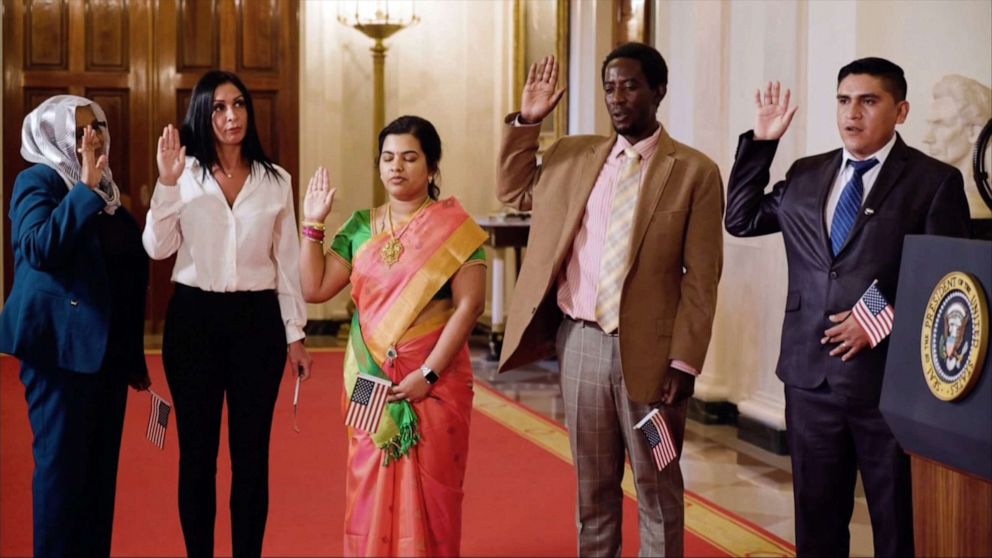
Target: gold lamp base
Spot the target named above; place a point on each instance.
(379, 28)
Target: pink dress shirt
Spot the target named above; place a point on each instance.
(578, 284)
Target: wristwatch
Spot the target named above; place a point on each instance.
(429, 374)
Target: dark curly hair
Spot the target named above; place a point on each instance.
(652, 62)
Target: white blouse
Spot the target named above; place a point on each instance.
(251, 246)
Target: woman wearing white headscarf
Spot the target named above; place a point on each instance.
(75, 319)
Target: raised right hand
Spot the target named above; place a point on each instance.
(91, 166)
(773, 117)
(319, 198)
(171, 156)
(541, 92)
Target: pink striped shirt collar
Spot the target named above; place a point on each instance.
(646, 147)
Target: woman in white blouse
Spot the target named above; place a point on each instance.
(237, 312)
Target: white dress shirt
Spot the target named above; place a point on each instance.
(845, 174)
(251, 246)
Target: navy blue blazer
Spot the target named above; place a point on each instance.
(913, 194)
(59, 311)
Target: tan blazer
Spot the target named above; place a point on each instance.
(669, 295)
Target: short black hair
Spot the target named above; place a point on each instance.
(652, 63)
(426, 134)
(892, 76)
(197, 131)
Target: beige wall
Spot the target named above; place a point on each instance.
(452, 68)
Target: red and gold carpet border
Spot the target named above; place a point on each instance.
(703, 518)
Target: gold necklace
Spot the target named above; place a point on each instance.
(393, 248)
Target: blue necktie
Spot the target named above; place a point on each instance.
(849, 204)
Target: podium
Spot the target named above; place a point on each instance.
(946, 427)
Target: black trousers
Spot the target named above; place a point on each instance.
(831, 438)
(217, 345)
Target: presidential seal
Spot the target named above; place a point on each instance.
(955, 336)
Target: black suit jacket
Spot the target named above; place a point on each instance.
(913, 194)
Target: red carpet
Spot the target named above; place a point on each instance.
(519, 497)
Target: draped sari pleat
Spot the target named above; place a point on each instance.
(410, 505)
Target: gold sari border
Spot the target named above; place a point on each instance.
(434, 319)
(340, 258)
(705, 520)
(419, 291)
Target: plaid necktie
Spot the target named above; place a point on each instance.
(617, 244)
(849, 204)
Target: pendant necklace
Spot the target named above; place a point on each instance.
(223, 171)
(393, 248)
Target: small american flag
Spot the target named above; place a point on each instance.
(874, 314)
(367, 401)
(659, 437)
(158, 420)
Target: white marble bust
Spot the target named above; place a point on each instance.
(961, 107)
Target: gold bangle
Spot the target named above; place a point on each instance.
(314, 224)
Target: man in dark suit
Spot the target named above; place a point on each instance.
(843, 216)
(620, 279)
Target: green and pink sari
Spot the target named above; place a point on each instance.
(404, 486)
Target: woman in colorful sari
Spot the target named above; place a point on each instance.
(417, 272)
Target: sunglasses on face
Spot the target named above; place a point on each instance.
(98, 125)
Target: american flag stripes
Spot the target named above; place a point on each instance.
(158, 420)
(874, 314)
(367, 402)
(659, 438)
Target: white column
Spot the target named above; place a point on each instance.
(589, 43)
(693, 38)
(767, 41)
(498, 287)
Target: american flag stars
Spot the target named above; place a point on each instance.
(367, 402)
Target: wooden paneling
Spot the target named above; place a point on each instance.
(258, 36)
(266, 107)
(182, 105)
(198, 36)
(34, 96)
(139, 59)
(103, 46)
(952, 511)
(107, 33)
(47, 38)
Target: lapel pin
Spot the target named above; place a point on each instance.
(869, 211)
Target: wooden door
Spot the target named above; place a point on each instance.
(139, 59)
(95, 49)
(256, 39)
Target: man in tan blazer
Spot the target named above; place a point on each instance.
(620, 280)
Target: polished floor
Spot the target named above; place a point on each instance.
(736, 475)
